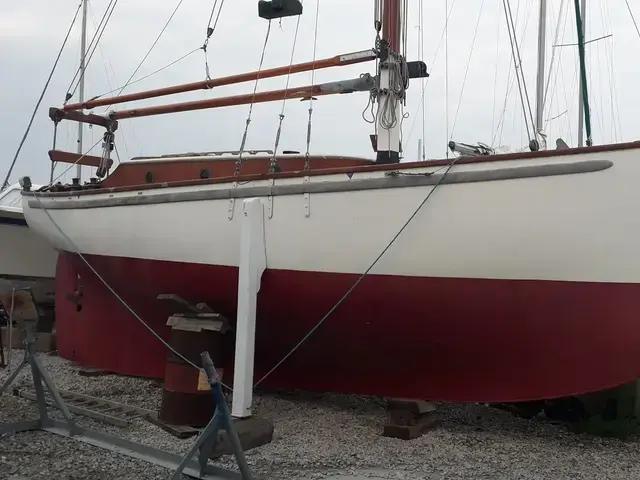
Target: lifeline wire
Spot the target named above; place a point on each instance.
(35, 110)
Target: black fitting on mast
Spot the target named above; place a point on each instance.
(383, 48)
(273, 9)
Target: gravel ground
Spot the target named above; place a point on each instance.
(332, 437)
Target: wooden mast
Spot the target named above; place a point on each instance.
(389, 103)
(391, 24)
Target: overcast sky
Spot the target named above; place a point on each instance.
(31, 32)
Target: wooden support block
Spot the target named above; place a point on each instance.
(253, 432)
(92, 372)
(45, 342)
(409, 419)
(178, 431)
(197, 322)
(184, 306)
(409, 432)
(400, 417)
(17, 338)
(412, 406)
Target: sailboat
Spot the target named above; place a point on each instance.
(482, 278)
(26, 258)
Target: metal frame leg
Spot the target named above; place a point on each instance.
(206, 442)
(13, 376)
(208, 439)
(38, 371)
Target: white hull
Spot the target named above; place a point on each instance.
(25, 254)
(575, 227)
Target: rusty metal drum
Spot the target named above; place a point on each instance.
(186, 396)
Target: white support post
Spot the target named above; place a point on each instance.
(253, 261)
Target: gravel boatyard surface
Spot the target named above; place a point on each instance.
(334, 437)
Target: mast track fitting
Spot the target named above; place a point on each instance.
(274, 9)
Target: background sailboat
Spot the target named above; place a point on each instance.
(26, 259)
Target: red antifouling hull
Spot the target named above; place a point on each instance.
(453, 339)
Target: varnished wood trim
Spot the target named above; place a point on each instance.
(76, 158)
(395, 180)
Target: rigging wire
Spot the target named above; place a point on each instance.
(574, 83)
(273, 163)
(466, 72)
(149, 75)
(562, 21)
(615, 105)
(106, 71)
(210, 31)
(403, 70)
(307, 161)
(253, 97)
(633, 18)
(495, 77)
(514, 66)
(44, 91)
(423, 152)
(598, 107)
(155, 42)
(517, 59)
(91, 49)
(364, 274)
(508, 86)
(446, 73)
(553, 52)
(426, 83)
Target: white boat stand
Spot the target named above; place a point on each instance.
(252, 265)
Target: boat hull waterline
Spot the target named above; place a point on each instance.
(505, 289)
